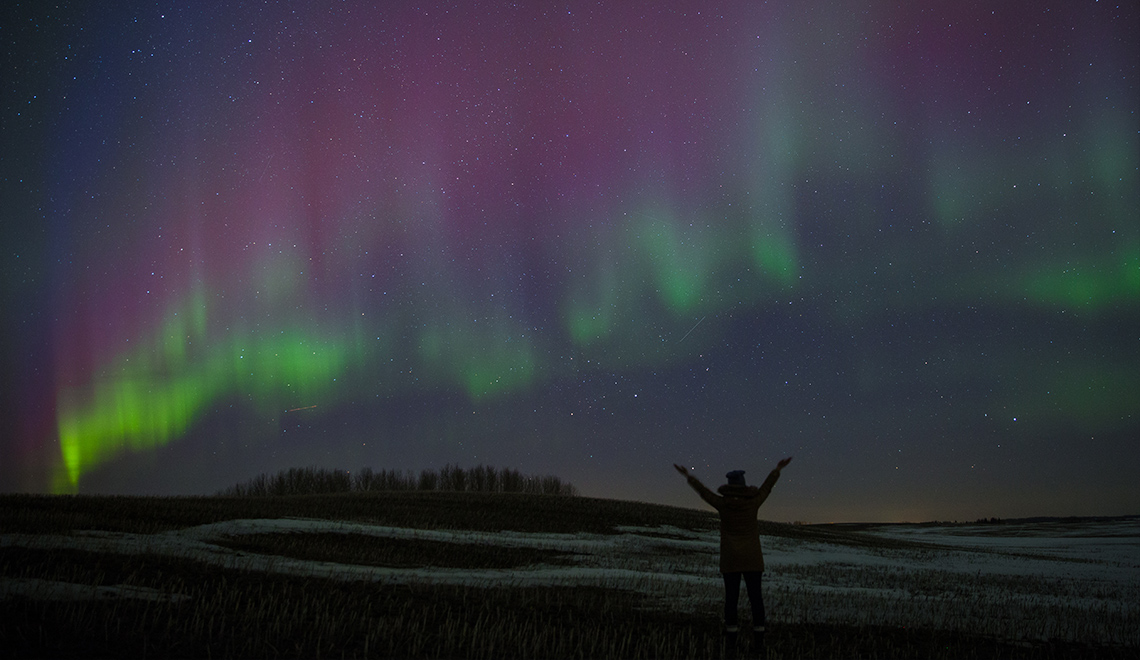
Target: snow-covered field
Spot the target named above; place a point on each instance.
(1034, 581)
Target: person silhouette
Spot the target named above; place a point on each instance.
(740, 554)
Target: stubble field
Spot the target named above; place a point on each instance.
(437, 574)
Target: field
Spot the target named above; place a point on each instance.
(438, 574)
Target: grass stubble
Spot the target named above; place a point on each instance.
(222, 612)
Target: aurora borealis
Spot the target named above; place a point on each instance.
(590, 239)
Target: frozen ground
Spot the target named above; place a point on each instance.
(1072, 581)
(1033, 581)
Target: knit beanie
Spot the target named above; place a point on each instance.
(735, 478)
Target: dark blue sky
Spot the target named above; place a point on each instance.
(898, 243)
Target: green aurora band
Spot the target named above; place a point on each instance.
(153, 394)
(639, 281)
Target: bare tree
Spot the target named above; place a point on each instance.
(481, 478)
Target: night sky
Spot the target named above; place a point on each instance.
(897, 241)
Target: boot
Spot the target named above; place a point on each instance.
(758, 641)
(730, 634)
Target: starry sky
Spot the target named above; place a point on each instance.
(897, 241)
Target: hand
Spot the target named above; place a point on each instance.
(784, 463)
(682, 470)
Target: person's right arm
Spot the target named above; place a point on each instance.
(773, 476)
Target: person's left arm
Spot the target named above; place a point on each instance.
(702, 490)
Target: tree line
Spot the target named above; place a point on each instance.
(479, 479)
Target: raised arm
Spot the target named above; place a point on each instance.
(706, 494)
(773, 476)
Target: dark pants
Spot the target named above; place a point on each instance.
(732, 597)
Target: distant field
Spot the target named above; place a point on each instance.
(437, 574)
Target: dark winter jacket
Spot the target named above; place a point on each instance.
(739, 534)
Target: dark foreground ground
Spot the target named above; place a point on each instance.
(207, 611)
